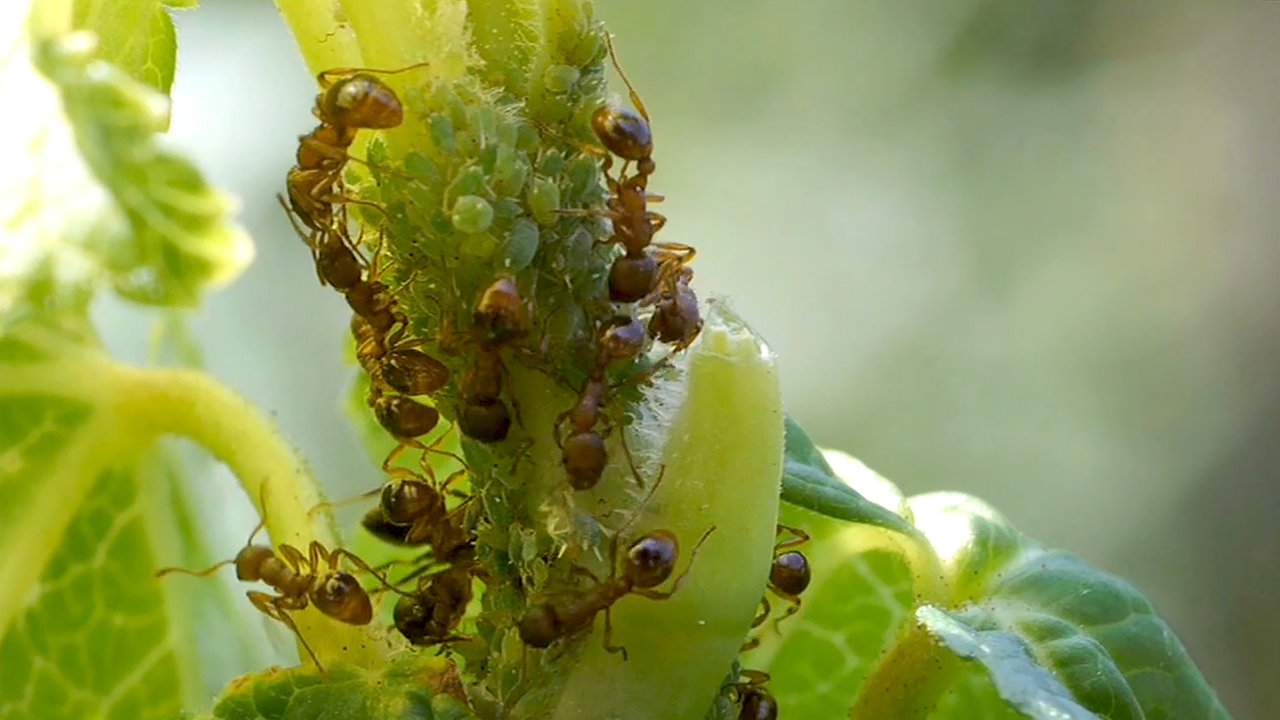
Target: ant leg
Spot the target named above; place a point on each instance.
(631, 461)
(675, 586)
(799, 537)
(294, 558)
(269, 605)
(608, 637)
(763, 615)
(361, 564)
(330, 505)
(792, 610)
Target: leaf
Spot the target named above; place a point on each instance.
(809, 482)
(136, 36)
(94, 638)
(412, 688)
(1056, 637)
(1097, 634)
(87, 195)
(1018, 678)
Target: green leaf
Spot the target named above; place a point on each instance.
(136, 36)
(396, 691)
(1020, 680)
(809, 482)
(89, 197)
(1056, 637)
(95, 637)
(1097, 634)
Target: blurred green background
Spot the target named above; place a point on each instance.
(1022, 250)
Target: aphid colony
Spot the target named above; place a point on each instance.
(645, 298)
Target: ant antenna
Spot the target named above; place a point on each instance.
(635, 97)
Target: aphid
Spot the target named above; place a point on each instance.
(298, 580)
(647, 563)
(583, 452)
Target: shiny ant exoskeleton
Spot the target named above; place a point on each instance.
(755, 703)
(648, 563)
(500, 318)
(299, 580)
(432, 615)
(350, 99)
(789, 575)
(676, 319)
(583, 451)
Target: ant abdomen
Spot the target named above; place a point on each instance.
(361, 101)
(623, 132)
(790, 573)
(340, 597)
(632, 277)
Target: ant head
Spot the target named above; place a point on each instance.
(361, 101)
(790, 573)
(249, 562)
(404, 501)
(538, 626)
(625, 133)
(500, 315)
(651, 559)
(758, 704)
(341, 598)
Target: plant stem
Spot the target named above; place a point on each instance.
(908, 680)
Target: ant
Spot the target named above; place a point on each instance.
(789, 575)
(500, 318)
(299, 580)
(350, 99)
(430, 616)
(756, 702)
(647, 563)
(676, 319)
(412, 511)
(584, 452)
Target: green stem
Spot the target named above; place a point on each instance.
(325, 41)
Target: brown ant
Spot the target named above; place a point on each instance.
(755, 702)
(789, 575)
(584, 452)
(500, 318)
(299, 580)
(647, 563)
(432, 615)
(676, 319)
(351, 99)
